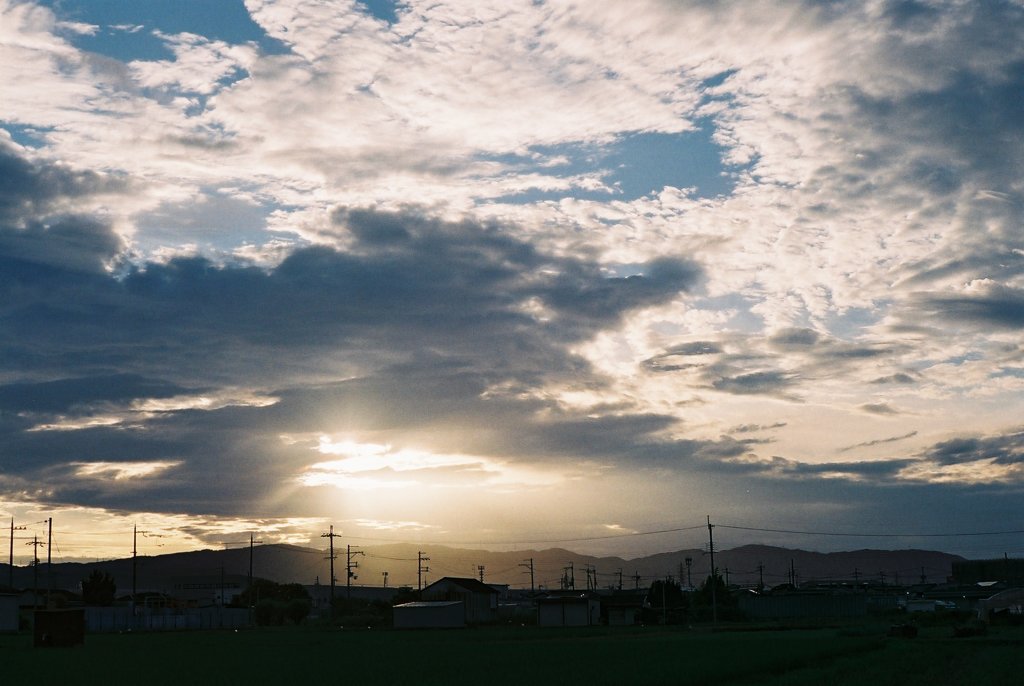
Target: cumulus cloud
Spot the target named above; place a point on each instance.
(431, 222)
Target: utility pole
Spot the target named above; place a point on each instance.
(714, 574)
(636, 580)
(760, 576)
(421, 569)
(591, 580)
(529, 565)
(620, 578)
(330, 535)
(385, 575)
(35, 570)
(10, 563)
(349, 566)
(49, 560)
(792, 573)
(664, 605)
(480, 571)
(135, 565)
(689, 579)
(568, 578)
(252, 544)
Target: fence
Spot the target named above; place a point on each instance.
(113, 619)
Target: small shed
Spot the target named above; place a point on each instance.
(480, 601)
(568, 610)
(623, 608)
(448, 614)
(8, 612)
(59, 628)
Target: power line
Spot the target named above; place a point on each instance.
(547, 540)
(870, 535)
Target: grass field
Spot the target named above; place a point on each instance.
(524, 655)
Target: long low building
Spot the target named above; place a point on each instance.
(445, 614)
(569, 609)
(794, 605)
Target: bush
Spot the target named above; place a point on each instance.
(297, 610)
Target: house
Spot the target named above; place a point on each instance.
(450, 614)
(568, 609)
(479, 601)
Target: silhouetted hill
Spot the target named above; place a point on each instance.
(288, 563)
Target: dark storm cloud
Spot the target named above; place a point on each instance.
(38, 219)
(427, 317)
(31, 188)
(999, 306)
(1004, 449)
(64, 394)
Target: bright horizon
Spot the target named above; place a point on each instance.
(490, 272)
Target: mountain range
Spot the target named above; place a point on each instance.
(396, 565)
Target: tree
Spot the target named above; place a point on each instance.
(264, 589)
(726, 600)
(665, 603)
(98, 589)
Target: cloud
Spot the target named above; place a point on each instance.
(430, 316)
(428, 227)
(989, 305)
(42, 218)
(879, 441)
(1005, 449)
(769, 383)
(883, 409)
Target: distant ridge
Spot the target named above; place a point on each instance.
(295, 564)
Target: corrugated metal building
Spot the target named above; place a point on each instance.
(479, 600)
(578, 609)
(796, 605)
(430, 615)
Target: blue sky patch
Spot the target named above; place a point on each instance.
(636, 165)
(26, 136)
(225, 20)
(385, 10)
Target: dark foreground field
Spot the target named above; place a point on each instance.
(523, 656)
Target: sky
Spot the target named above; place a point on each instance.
(512, 273)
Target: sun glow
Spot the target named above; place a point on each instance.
(372, 466)
(119, 471)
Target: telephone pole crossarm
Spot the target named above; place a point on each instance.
(330, 535)
(421, 569)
